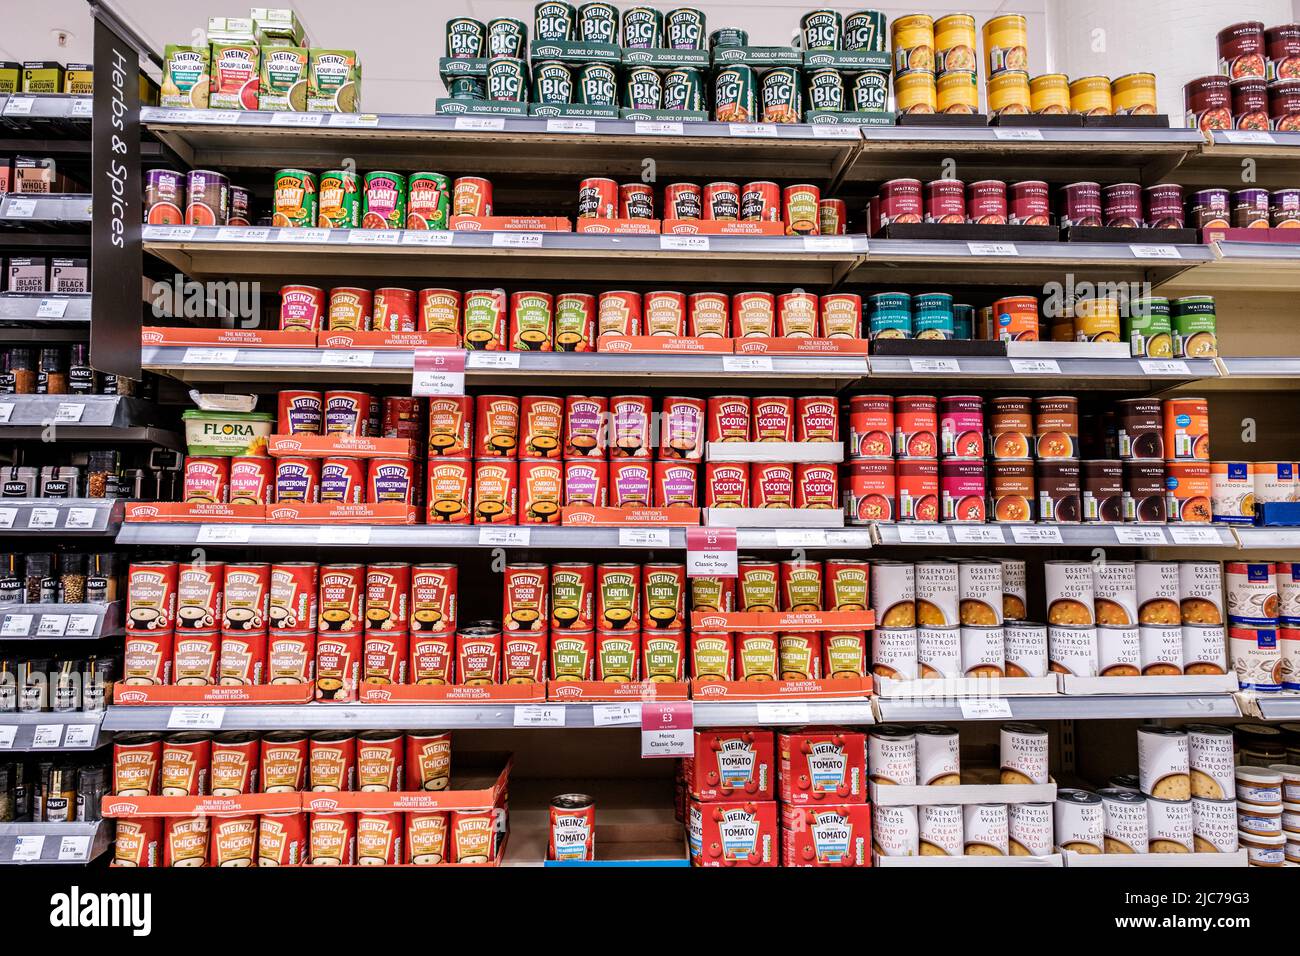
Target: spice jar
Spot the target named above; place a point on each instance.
(102, 571)
(13, 589)
(42, 585)
(81, 377)
(72, 578)
(6, 376)
(52, 373)
(22, 365)
(101, 470)
(119, 385)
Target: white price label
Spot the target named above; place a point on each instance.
(242, 234)
(427, 382)
(83, 106)
(612, 715)
(1015, 133)
(80, 736)
(985, 708)
(68, 413)
(19, 105)
(81, 625)
(1164, 367)
(922, 534)
(7, 516)
(480, 123)
(374, 237)
(934, 365)
(570, 126)
(1036, 366)
(8, 734)
(52, 625)
(504, 537)
(1195, 536)
(201, 356)
(74, 848)
(6, 412)
(1140, 535)
(827, 244)
(526, 240)
(170, 233)
(47, 736)
(643, 537)
(1156, 252)
(667, 729)
(219, 117)
(992, 248)
(27, 848)
(21, 208)
(343, 534)
(303, 235)
(491, 359)
(80, 518)
(221, 533)
(16, 625)
(43, 518)
(428, 237)
(52, 309)
(654, 128)
(539, 715)
(1248, 137)
(1036, 535)
(746, 363)
(752, 129)
(347, 357)
(297, 119)
(785, 713)
(978, 534)
(800, 538)
(195, 718)
(835, 131)
(353, 119)
(685, 243)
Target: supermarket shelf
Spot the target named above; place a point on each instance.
(1259, 373)
(395, 365)
(1273, 154)
(60, 516)
(1061, 707)
(1247, 266)
(1046, 371)
(1279, 706)
(509, 144)
(77, 843)
(1258, 538)
(46, 310)
(21, 108)
(1069, 536)
(375, 536)
(18, 211)
(1061, 155)
(86, 411)
(43, 622)
(919, 262)
(487, 716)
(273, 253)
(79, 730)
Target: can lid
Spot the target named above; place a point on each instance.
(573, 801)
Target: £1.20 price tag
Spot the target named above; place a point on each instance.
(711, 552)
(667, 729)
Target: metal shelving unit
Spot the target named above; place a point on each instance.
(47, 310)
(1060, 707)
(41, 622)
(74, 517)
(1279, 706)
(59, 209)
(46, 843)
(1057, 535)
(50, 732)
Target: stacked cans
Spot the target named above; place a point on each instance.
(1130, 619)
(1255, 87)
(926, 315)
(1183, 328)
(1238, 487)
(339, 199)
(305, 308)
(1251, 208)
(200, 197)
(1263, 601)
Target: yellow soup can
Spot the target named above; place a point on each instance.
(1090, 96)
(1096, 320)
(1134, 94)
(1006, 45)
(959, 93)
(1050, 94)
(913, 38)
(1009, 94)
(915, 93)
(954, 44)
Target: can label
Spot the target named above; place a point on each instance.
(572, 597)
(448, 492)
(541, 420)
(496, 492)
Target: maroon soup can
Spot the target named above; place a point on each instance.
(1144, 492)
(1208, 103)
(1029, 203)
(962, 490)
(986, 202)
(945, 201)
(1241, 50)
(1057, 480)
(1122, 206)
(1282, 52)
(1285, 212)
(1081, 204)
(1250, 103)
(1102, 484)
(1210, 208)
(1284, 105)
(900, 201)
(1163, 206)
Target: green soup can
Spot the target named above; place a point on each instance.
(597, 23)
(963, 321)
(869, 92)
(727, 36)
(338, 200)
(864, 30)
(684, 29)
(1194, 327)
(1148, 328)
(506, 80)
(552, 82)
(734, 96)
(825, 90)
(684, 89)
(428, 201)
(889, 315)
(643, 28)
(553, 21)
(643, 88)
(932, 316)
(384, 201)
(507, 36)
(468, 88)
(465, 37)
(781, 95)
(597, 85)
(820, 29)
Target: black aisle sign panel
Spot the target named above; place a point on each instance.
(115, 255)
